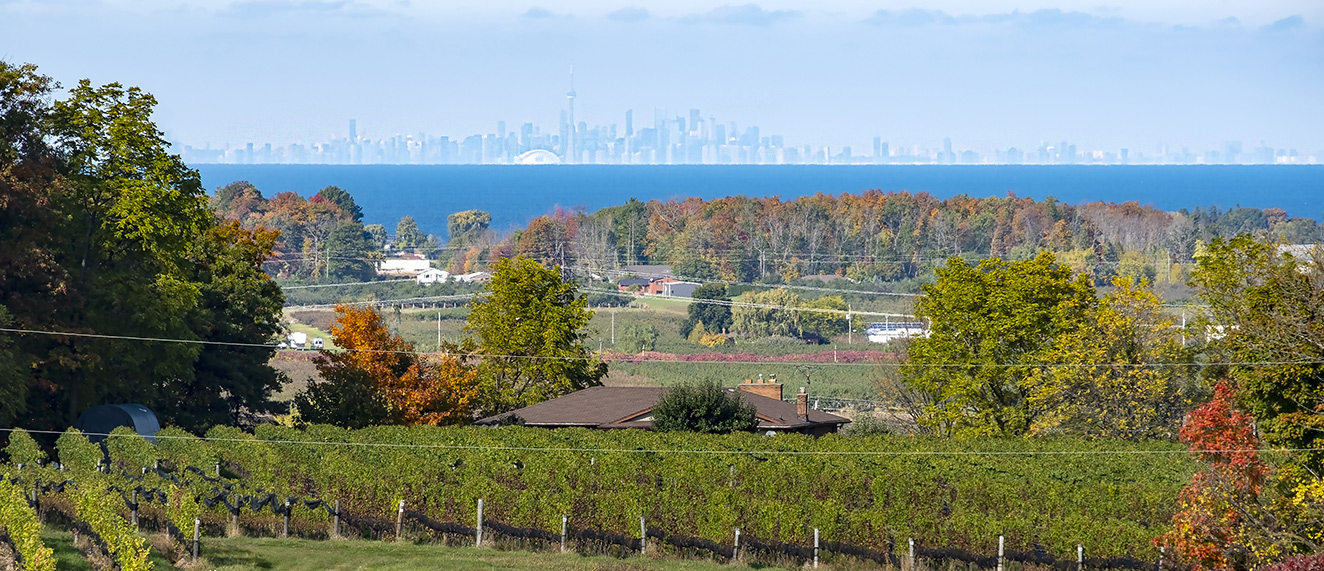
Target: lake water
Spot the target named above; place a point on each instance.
(515, 194)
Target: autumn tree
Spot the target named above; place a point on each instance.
(378, 378)
(342, 199)
(1124, 373)
(991, 327)
(528, 328)
(1226, 516)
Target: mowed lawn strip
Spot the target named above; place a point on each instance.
(233, 554)
(244, 553)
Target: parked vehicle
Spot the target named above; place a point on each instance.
(317, 343)
(299, 340)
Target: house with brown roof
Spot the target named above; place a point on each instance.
(609, 408)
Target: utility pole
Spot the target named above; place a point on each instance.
(438, 331)
(613, 329)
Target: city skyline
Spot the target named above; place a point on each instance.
(989, 75)
(694, 139)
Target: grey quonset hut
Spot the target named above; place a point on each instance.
(100, 420)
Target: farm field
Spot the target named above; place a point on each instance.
(1113, 497)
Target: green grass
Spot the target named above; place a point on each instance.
(69, 559)
(243, 553)
(313, 333)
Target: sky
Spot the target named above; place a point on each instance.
(989, 74)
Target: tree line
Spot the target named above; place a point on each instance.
(879, 236)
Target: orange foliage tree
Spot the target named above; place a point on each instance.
(378, 378)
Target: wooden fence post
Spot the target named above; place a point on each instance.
(1080, 557)
(643, 536)
(735, 550)
(1161, 552)
(478, 535)
(399, 520)
(816, 549)
(197, 525)
(133, 513)
(335, 522)
(564, 521)
(285, 531)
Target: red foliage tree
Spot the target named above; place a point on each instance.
(1217, 509)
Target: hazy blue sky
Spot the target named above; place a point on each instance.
(1100, 73)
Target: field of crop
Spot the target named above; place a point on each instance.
(1112, 497)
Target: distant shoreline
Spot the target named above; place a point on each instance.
(515, 195)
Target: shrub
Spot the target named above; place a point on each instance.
(22, 449)
(704, 407)
(1300, 563)
(23, 527)
(96, 506)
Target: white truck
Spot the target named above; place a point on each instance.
(298, 340)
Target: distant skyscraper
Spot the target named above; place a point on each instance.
(353, 130)
(570, 142)
(629, 122)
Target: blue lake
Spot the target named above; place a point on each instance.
(515, 194)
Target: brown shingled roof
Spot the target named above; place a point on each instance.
(619, 407)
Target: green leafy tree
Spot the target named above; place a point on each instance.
(991, 326)
(528, 331)
(704, 407)
(466, 226)
(827, 323)
(1267, 306)
(407, 234)
(695, 269)
(715, 317)
(377, 234)
(340, 197)
(241, 307)
(351, 251)
(636, 338)
(133, 213)
(769, 313)
(103, 231)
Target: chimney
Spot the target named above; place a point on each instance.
(802, 404)
(771, 389)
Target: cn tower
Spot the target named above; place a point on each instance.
(570, 138)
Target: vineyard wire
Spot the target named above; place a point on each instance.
(681, 451)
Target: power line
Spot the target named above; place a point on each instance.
(743, 304)
(348, 284)
(752, 284)
(684, 451)
(627, 359)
